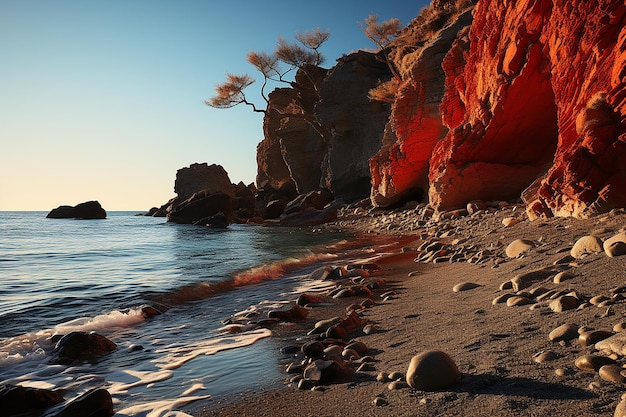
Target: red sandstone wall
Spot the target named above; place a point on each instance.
(541, 95)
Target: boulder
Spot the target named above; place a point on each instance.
(201, 205)
(81, 346)
(93, 403)
(518, 247)
(586, 245)
(19, 400)
(615, 245)
(202, 177)
(432, 371)
(87, 210)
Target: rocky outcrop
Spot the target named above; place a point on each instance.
(355, 123)
(400, 168)
(296, 154)
(202, 177)
(539, 105)
(87, 210)
(211, 204)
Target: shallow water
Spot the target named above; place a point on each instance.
(94, 275)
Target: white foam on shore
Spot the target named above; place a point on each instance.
(160, 408)
(35, 346)
(177, 356)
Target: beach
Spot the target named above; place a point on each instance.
(497, 348)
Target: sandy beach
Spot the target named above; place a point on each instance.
(496, 347)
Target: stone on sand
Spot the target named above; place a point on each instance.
(518, 247)
(592, 363)
(586, 245)
(613, 344)
(564, 332)
(431, 371)
(612, 373)
(465, 286)
(616, 245)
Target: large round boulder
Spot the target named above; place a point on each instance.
(431, 371)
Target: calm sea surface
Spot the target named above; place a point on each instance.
(61, 275)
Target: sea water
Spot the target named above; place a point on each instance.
(63, 275)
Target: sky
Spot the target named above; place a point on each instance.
(103, 99)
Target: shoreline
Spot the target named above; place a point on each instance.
(494, 346)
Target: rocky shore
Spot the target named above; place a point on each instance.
(529, 313)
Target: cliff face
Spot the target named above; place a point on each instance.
(400, 168)
(538, 105)
(294, 154)
(355, 123)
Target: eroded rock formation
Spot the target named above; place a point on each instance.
(541, 95)
(86, 210)
(400, 168)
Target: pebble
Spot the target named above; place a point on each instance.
(366, 367)
(382, 377)
(501, 299)
(619, 327)
(563, 303)
(565, 332)
(562, 276)
(396, 385)
(612, 373)
(586, 245)
(592, 363)
(395, 376)
(616, 245)
(509, 221)
(545, 356)
(591, 338)
(369, 329)
(517, 300)
(598, 299)
(431, 371)
(620, 410)
(506, 285)
(465, 286)
(518, 247)
(380, 401)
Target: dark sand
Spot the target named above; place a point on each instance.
(493, 345)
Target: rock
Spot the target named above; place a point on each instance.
(620, 410)
(510, 222)
(400, 169)
(306, 299)
(359, 347)
(565, 332)
(592, 337)
(289, 313)
(592, 363)
(586, 245)
(382, 377)
(527, 279)
(87, 210)
(502, 298)
(314, 349)
(517, 300)
(19, 400)
(81, 346)
(93, 403)
(464, 286)
(397, 385)
(518, 247)
(564, 303)
(324, 371)
(545, 356)
(431, 371)
(380, 402)
(274, 209)
(201, 205)
(562, 276)
(615, 245)
(612, 373)
(613, 344)
(209, 179)
(619, 327)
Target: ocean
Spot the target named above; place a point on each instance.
(62, 275)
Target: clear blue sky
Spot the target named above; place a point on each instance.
(103, 99)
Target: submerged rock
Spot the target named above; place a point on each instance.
(19, 400)
(81, 346)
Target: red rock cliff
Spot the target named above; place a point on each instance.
(537, 102)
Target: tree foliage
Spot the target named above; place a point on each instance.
(381, 33)
(287, 58)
